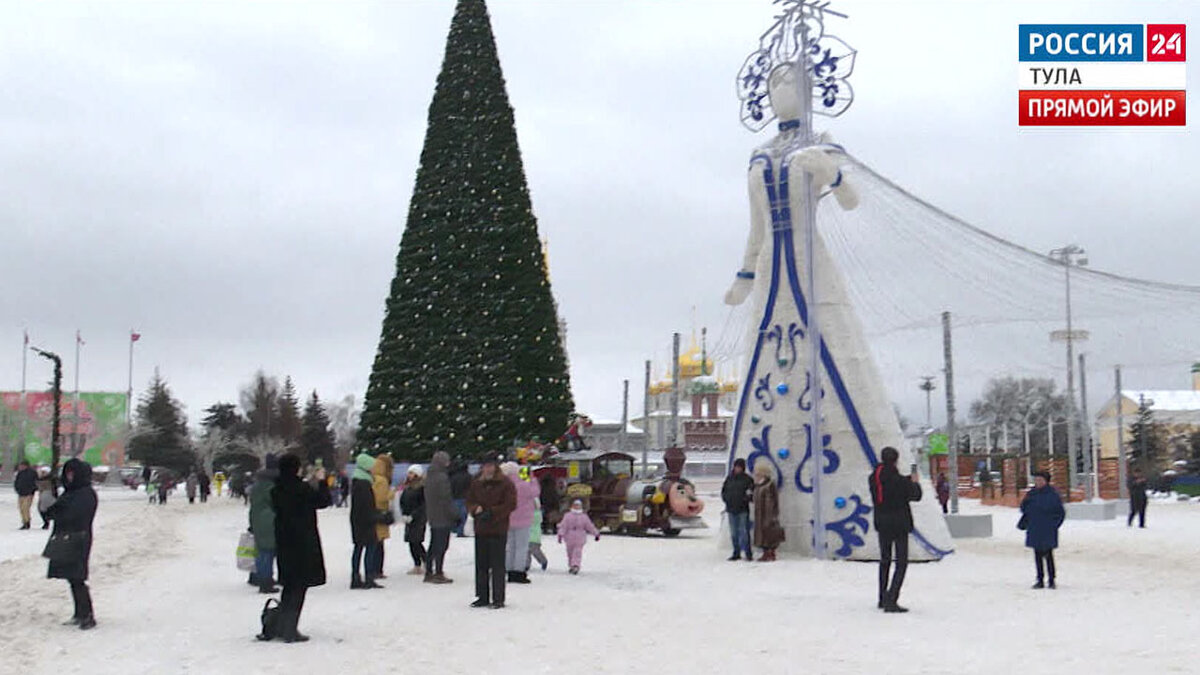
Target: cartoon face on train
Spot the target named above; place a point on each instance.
(681, 495)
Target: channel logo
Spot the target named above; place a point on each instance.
(1102, 74)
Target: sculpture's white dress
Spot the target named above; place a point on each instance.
(772, 421)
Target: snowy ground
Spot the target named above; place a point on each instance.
(168, 599)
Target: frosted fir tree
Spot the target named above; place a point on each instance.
(316, 439)
(470, 356)
(160, 434)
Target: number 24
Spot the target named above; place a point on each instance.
(1162, 44)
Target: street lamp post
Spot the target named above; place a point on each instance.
(1071, 255)
(1028, 447)
(927, 386)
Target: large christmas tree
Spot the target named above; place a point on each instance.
(470, 356)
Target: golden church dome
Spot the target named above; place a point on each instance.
(690, 364)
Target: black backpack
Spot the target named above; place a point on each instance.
(270, 620)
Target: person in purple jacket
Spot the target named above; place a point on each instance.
(517, 547)
(573, 530)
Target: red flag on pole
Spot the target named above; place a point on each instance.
(134, 337)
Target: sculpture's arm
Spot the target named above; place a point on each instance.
(760, 216)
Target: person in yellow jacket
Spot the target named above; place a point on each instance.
(381, 486)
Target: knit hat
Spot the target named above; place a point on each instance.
(510, 468)
(271, 461)
(577, 502)
(762, 469)
(416, 470)
(362, 466)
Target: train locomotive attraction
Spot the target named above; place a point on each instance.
(616, 500)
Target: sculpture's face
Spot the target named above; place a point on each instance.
(783, 87)
(682, 497)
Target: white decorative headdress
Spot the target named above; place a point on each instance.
(797, 37)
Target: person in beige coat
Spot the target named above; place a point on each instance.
(381, 487)
(768, 533)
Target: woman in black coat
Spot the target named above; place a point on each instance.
(412, 506)
(363, 518)
(73, 514)
(297, 542)
(1042, 514)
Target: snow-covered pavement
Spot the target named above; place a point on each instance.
(169, 600)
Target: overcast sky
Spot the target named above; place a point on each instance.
(231, 179)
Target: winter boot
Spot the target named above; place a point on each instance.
(370, 583)
(521, 578)
(480, 602)
(440, 578)
(87, 623)
(356, 582)
(735, 556)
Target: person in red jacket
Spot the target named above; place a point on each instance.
(943, 491)
(891, 494)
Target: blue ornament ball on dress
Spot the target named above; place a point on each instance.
(755, 419)
(784, 453)
(782, 388)
(840, 502)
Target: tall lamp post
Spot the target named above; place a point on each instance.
(1071, 255)
(1035, 407)
(927, 386)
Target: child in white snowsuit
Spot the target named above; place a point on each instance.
(573, 530)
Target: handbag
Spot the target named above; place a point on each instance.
(65, 546)
(247, 551)
(386, 517)
(1023, 523)
(270, 620)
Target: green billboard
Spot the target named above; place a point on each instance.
(92, 427)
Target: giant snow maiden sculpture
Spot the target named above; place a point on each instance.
(809, 366)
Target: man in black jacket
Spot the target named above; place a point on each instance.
(891, 494)
(736, 492)
(25, 483)
(1137, 498)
